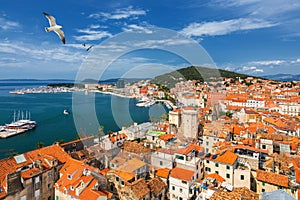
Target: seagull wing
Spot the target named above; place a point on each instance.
(50, 18)
(61, 35)
(89, 47)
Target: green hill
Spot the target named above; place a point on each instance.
(202, 74)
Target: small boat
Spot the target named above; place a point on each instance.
(66, 112)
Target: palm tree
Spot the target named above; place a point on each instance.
(100, 133)
(40, 145)
(13, 154)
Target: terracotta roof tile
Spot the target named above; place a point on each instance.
(182, 174)
(163, 173)
(216, 176)
(272, 178)
(227, 157)
(9, 165)
(134, 147)
(126, 176)
(188, 149)
(156, 185)
(140, 188)
(167, 137)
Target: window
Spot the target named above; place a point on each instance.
(263, 146)
(180, 198)
(173, 187)
(242, 177)
(23, 197)
(56, 198)
(179, 157)
(263, 184)
(37, 193)
(37, 179)
(263, 190)
(117, 178)
(122, 183)
(228, 167)
(217, 164)
(160, 163)
(207, 143)
(207, 161)
(227, 175)
(292, 191)
(180, 190)
(217, 172)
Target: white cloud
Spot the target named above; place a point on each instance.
(137, 28)
(7, 24)
(225, 27)
(250, 70)
(295, 61)
(20, 50)
(90, 34)
(119, 14)
(259, 8)
(268, 62)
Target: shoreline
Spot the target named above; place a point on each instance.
(115, 94)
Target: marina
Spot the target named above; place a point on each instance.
(45, 89)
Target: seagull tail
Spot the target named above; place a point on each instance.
(47, 29)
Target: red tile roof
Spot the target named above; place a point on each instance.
(216, 176)
(9, 165)
(272, 178)
(182, 174)
(163, 173)
(188, 149)
(227, 158)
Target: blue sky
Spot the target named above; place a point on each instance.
(246, 36)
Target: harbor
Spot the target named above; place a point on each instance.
(45, 89)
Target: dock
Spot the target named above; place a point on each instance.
(9, 132)
(168, 103)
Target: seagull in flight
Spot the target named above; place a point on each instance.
(54, 27)
(88, 47)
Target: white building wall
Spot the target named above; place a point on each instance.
(189, 125)
(179, 189)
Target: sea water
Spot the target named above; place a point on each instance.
(52, 125)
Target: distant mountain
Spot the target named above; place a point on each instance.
(194, 73)
(114, 80)
(283, 77)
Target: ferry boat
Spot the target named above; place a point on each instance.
(147, 103)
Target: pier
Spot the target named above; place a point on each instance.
(168, 103)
